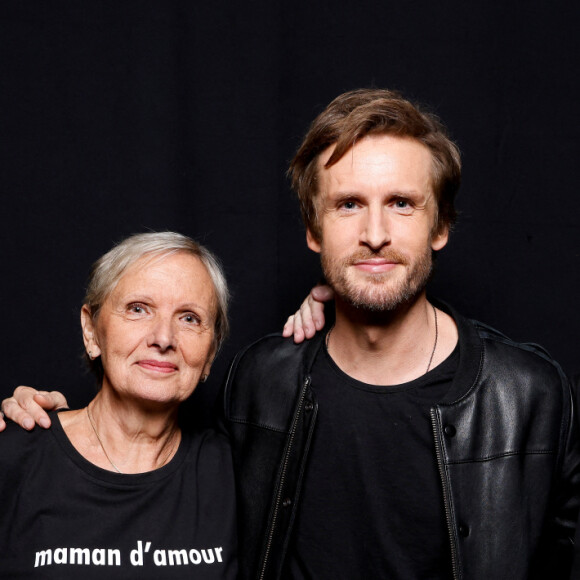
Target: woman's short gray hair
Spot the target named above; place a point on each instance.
(109, 269)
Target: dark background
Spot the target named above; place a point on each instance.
(122, 117)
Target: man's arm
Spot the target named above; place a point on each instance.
(576, 567)
(28, 407)
(557, 560)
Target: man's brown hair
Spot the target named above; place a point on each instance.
(356, 114)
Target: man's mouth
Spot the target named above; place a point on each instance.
(375, 265)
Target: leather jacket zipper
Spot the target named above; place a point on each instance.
(283, 477)
(446, 494)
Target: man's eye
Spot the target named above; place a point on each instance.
(403, 205)
(349, 205)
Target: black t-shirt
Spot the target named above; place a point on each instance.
(371, 504)
(62, 517)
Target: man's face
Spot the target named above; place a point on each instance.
(377, 213)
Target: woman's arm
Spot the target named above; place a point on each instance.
(309, 318)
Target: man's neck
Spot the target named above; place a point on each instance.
(394, 347)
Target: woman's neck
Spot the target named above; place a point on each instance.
(122, 436)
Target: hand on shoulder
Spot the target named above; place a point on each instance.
(27, 407)
(309, 318)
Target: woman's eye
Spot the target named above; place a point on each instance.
(190, 319)
(136, 309)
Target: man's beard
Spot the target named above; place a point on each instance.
(382, 291)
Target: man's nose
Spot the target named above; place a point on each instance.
(376, 230)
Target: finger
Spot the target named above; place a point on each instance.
(317, 313)
(22, 394)
(288, 329)
(33, 402)
(322, 293)
(298, 328)
(317, 298)
(52, 400)
(12, 410)
(308, 325)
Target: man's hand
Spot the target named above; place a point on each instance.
(309, 318)
(27, 407)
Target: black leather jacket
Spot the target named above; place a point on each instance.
(505, 440)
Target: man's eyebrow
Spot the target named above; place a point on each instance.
(415, 193)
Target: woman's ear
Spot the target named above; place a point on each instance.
(89, 333)
(208, 364)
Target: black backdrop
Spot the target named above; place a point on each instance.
(123, 116)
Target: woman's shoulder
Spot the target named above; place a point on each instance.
(210, 448)
(211, 473)
(14, 438)
(22, 451)
(210, 440)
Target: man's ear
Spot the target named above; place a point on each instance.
(89, 333)
(440, 239)
(312, 241)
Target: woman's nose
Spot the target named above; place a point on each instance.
(162, 334)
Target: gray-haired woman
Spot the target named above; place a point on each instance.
(118, 489)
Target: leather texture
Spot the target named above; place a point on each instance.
(507, 452)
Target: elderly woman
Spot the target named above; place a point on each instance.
(118, 489)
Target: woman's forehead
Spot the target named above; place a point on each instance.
(177, 273)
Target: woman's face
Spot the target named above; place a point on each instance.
(155, 331)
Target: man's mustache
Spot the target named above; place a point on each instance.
(387, 254)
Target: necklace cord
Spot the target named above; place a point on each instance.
(100, 442)
(169, 455)
(332, 328)
(436, 337)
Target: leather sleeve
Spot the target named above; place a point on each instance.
(556, 560)
(571, 470)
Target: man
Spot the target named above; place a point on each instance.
(406, 442)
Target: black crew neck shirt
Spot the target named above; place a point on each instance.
(371, 504)
(63, 517)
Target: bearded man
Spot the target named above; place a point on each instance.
(406, 442)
